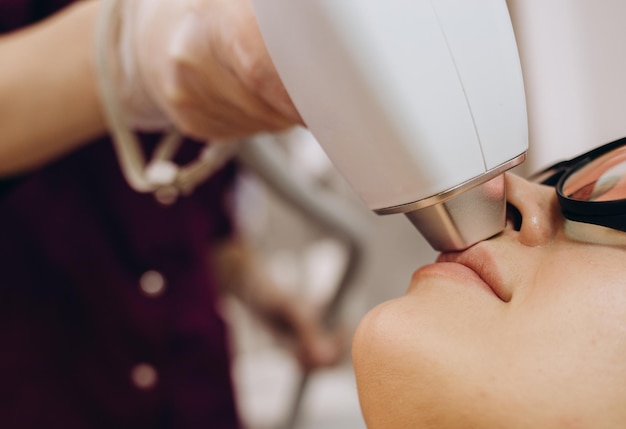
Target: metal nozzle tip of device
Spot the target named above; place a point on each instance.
(465, 219)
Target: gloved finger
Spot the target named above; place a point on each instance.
(259, 75)
(243, 50)
(225, 109)
(204, 96)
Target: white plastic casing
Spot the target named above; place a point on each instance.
(409, 98)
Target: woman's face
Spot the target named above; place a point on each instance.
(525, 330)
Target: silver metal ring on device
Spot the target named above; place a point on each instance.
(453, 192)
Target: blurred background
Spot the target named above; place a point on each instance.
(311, 259)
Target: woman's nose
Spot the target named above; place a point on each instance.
(538, 208)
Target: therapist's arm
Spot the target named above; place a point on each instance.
(48, 96)
(200, 65)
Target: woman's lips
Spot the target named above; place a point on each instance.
(457, 272)
(481, 260)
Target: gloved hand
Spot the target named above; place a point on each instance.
(200, 65)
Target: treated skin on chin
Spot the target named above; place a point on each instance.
(527, 330)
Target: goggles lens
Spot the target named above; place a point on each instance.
(591, 188)
(602, 179)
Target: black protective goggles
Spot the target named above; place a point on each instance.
(591, 188)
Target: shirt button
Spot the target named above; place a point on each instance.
(144, 376)
(152, 283)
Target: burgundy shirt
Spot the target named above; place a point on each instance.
(108, 313)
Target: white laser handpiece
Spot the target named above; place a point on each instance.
(418, 103)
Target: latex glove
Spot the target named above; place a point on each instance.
(201, 65)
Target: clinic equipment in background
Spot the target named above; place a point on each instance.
(420, 104)
(335, 217)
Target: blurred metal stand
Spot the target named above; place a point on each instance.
(324, 209)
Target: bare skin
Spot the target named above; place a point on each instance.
(49, 104)
(525, 330)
